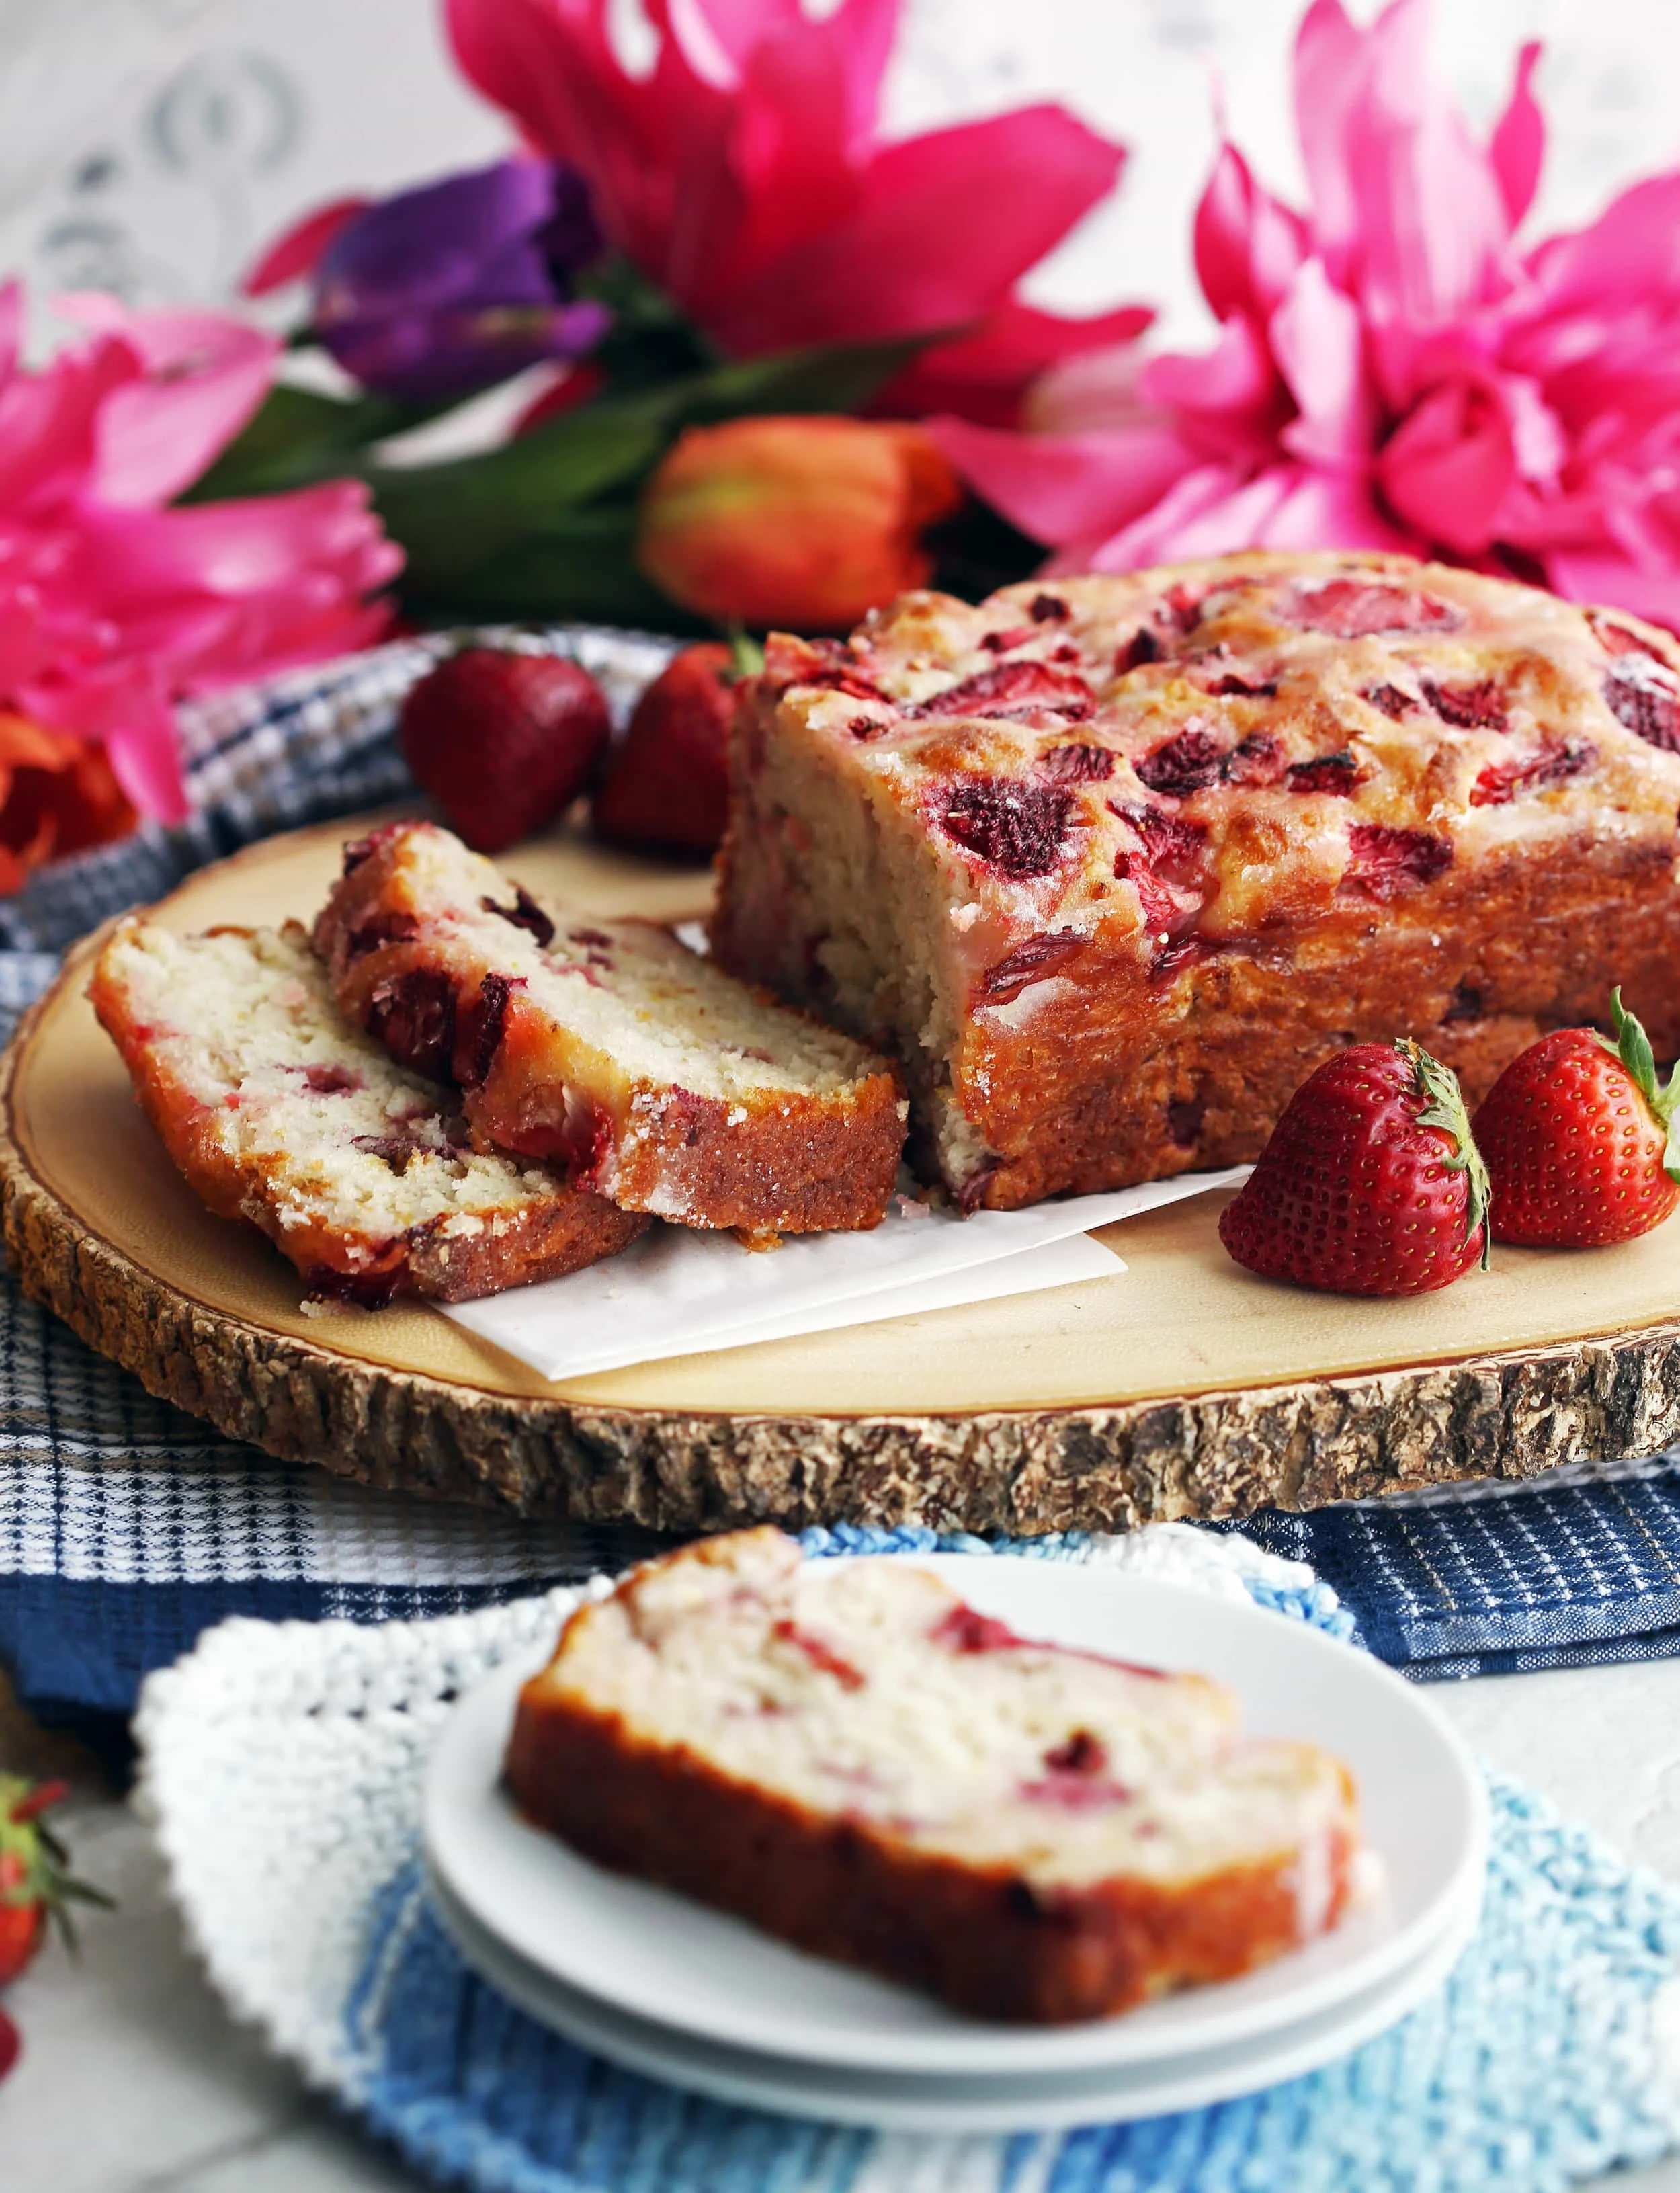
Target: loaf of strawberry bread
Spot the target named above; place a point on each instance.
(608, 1047)
(849, 1755)
(279, 1111)
(1112, 863)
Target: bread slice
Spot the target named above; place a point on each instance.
(608, 1047)
(856, 1761)
(278, 1111)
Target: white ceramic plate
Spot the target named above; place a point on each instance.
(932, 2103)
(656, 1957)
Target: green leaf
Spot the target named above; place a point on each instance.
(1445, 1107)
(580, 564)
(299, 437)
(1633, 1046)
(747, 654)
(452, 519)
(840, 377)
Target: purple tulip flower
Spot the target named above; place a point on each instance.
(437, 292)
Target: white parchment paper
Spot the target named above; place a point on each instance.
(679, 1292)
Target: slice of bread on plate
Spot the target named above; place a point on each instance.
(849, 1755)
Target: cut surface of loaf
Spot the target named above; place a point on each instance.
(849, 1755)
(1112, 862)
(278, 1111)
(608, 1047)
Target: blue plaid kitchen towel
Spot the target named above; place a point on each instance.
(127, 1528)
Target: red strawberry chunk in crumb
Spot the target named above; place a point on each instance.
(1258, 760)
(1034, 961)
(1011, 685)
(1173, 843)
(1190, 762)
(1337, 773)
(1143, 647)
(1644, 696)
(1159, 907)
(1478, 707)
(1500, 782)
(1074, 764)
(1017, 825)
(1383, 861)
(330, 1081)
(1357, 609)
(821, 1653)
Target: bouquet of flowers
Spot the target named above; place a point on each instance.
(775, 367)
(720, 264)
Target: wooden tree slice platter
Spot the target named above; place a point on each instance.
(1184, 1386)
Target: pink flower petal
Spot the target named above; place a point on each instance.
(1247, 243)
(1232, 397)
(1618, 582)
(1059, 488)
(986, 377)
(1208, 513)
(1319, 343)
(205, 376)
(1450, 465)
(1517, 150)
(914, 257)
(1334, 510)
(1330, 69)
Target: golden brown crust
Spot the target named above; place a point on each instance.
(984, 1940)
(775, 1161)
(531, 1239)
(1212, 823)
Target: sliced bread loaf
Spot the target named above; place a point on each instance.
(851, 1757)
(278, 1111)
(608, 1047)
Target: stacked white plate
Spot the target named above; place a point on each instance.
(703, 2001)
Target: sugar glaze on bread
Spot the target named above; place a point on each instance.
(608, 1047)
(1112, 862)
(849, 1756)
(279, 1111)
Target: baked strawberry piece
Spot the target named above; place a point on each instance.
(849, 1756)
(280, 1112)
(1581, 1139)
(607, 1048)
(1112, 862)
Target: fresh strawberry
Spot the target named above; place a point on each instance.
(503, 739)
(11, 2044)
(1581, 1140)
(1371, 1183)
(668, 784)
(36, 1884)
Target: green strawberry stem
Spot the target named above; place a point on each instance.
(34, 1865)
(1633, 1046)
(1445, 1107)
(748, 653)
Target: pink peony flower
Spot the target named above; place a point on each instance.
(1392, 370)
(113, 605)
(743, 173)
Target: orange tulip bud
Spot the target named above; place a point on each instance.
(57, 796)
(802, 523)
